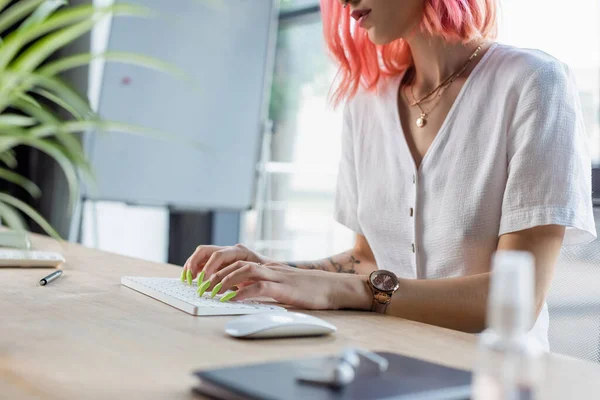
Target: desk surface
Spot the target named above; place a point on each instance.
(86, 336)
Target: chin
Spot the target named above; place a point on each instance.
(378, 38)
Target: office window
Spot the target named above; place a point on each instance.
(296, 218)
(570, 32)
(291, 5)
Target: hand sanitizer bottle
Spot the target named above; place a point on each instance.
(508, 364)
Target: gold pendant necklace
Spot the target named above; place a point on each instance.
(422, 119)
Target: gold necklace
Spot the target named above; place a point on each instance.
(422, 120)
(449, 80)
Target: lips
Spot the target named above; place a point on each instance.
(358, 14)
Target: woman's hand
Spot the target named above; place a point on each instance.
(211, 259)
(315, 290)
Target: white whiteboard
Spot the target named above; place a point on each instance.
(227, 46)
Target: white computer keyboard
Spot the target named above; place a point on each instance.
(29, 258)
(184, 297)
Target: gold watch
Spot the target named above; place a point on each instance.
(383, 284)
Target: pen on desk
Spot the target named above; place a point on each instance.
(50, 277)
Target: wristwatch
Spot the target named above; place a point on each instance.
(383, 284)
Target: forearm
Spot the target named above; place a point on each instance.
(460, 303)
(349, 262)
(455, 303)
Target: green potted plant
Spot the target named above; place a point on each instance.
(31, 92)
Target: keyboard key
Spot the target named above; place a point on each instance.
(166, 290)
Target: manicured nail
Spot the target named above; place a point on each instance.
(216, 290)
(228, 297)
(203, 288)
(183, 273)
(200, 278)
(189, 277)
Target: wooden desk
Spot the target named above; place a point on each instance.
(84, 336)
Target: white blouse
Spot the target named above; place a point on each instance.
(512, 154)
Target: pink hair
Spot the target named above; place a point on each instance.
(363, 63)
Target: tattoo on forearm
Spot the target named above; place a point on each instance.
(306, 265)
(343, 263)
(348, 266)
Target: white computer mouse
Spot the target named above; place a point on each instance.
(277, 324)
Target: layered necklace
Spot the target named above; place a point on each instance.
(438, 91)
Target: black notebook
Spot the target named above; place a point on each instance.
(406, 378)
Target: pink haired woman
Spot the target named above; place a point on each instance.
(454, 146)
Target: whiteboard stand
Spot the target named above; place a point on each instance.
(263, 187)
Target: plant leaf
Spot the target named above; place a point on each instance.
(20, 136)
(66, 164)
(66, 93)
(74, 14)
(8, 158)
(8, 141)
(42, 131)
(76, 21)
(12, 218)
(78, 60)
(17, 12)
(28, 99)
(3, 3)
(10, 137)
(69, 18)
(30, 212)
(39, 113)
(60, 102)
(16, 40)
(16, 120)
(82, 15)
(76, 152)
(71, 144)
(54, 85)
(43, 48)
(129, 129)
(17, 179)
(43, 11)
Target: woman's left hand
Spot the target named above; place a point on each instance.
(308, 289)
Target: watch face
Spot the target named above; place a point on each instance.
(384, 281)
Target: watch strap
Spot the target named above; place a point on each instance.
(379, 307)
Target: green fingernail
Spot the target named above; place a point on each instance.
(189, 277)
(216, 290)
(200, 278)
(228, 297)
(203, 288)
(183, 275)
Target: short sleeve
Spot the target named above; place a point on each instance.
(549, 165)
(346, 196)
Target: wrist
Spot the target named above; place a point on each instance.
(353, 292)
(251, 255)
(263, 259)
